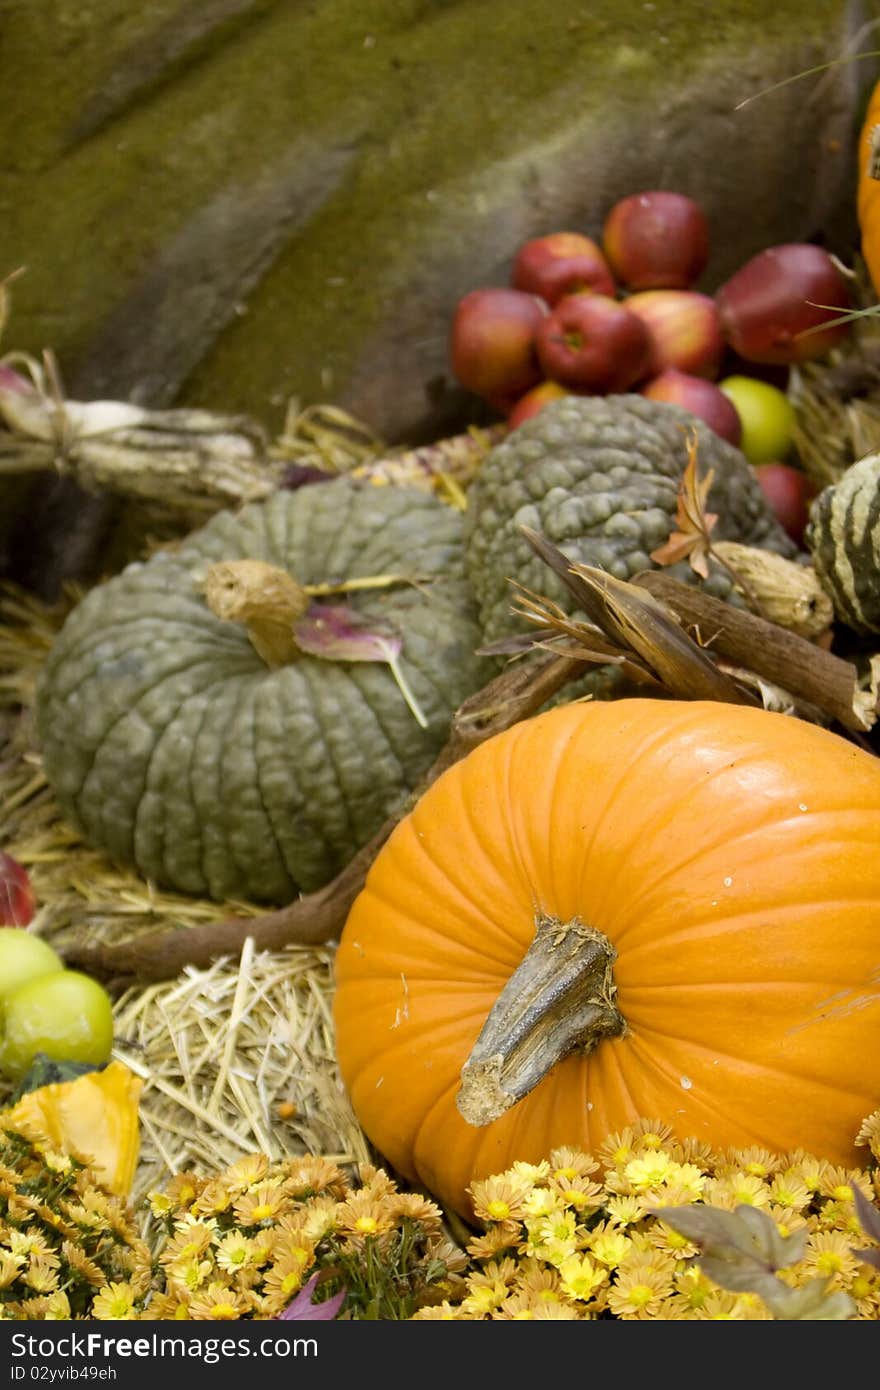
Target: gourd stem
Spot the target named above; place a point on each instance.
(268, 600)
(560, 999)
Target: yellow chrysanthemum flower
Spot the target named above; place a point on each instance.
(638, 1290)
(319, 1217)
(668, 1239)
(246, 1173)
(265, 1202)
(188, 1243)
(580, 1277)
(218, 1303)
(214, 1199)
(554, 1237)
(609, 1244)
(809, 1169)
(584, 1195)
(114, 1303)
(437, 1312)
(829, 1253)
(541, 1202)
(737, 1189)
(625, 1210)
(539, 1281)
(568, 1163)
(234, 1252)
(312, 1174)
(869, 1133)
(760, 1162)
(183, 1189)
(41, 1274)
(185, 1276)
(500, 1198)
(24, 1242)
(499, 1237)
(560, 1312)
(10, 1265)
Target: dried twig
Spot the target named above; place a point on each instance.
(807, 672)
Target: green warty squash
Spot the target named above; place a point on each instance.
(599, 477)
(173, 744)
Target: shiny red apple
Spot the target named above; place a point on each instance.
(779, 306)
(684, 328)
(701, 397)
(789, 492)
(561, 263)
(591, 343)
(492, 343)
(656, 240)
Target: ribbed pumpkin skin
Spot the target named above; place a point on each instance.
(868, 195)
(175, 748)
(731, 857)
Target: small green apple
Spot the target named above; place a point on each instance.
(766, 415)
(24, 957)
(66, 1015)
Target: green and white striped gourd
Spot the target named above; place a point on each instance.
(843, 537)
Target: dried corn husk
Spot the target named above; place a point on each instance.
(787, 593)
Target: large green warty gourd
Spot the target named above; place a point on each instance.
(173, 746)
(599, 477)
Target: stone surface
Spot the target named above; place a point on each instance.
(234, 202)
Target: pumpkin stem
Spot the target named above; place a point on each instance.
(559, 1000)
(265, 598)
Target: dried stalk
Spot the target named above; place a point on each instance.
(193, 463)
(516, 694)
(807, 672)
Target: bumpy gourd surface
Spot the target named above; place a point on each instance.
(843, 536)
(172, 745)
(599, 476)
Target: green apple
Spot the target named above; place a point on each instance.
(24, 957)
(65, 1014)
(766, 415)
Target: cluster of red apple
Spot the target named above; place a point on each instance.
(589, 319)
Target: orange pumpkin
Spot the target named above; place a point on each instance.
(638, 908)
(868, 188)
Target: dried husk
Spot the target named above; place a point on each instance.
(787, 593)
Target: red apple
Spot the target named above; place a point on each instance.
(559, 264)
(657, 240)
(492, 343)
(534, 401)
(684, 329)
(772, 309)
(591, 343)
(701, 397)
(789, 493)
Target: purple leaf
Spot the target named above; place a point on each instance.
(298, 475)
(303, 1309)
(17, 900)
(336, 632)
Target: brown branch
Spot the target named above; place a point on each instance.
(806, 671)
(516, 694)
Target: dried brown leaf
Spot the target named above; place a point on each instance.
(692, 541)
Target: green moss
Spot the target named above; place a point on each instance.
(155, 110)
